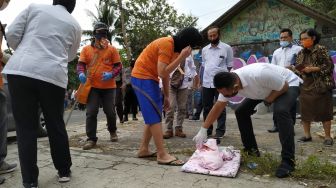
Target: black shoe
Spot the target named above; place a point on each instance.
(135, 118)
(30, 185)
(284, 170)
(2, 180)
(195, 118)
(273, 130)
(125, 118)
(252, 152)
(305, 139)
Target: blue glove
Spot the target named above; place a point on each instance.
(107, 75)
(82, 77)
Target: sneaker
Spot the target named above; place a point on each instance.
(113, 137)
(328, 142)
(6, 168)
(89, 145)
(64, 178)
(30, 185)
(284, 170)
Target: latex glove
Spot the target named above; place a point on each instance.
(201, 137)
(107, 75)
(82, 77)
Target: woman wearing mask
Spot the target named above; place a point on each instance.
(316, 68)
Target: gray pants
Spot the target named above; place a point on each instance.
(3, 126)
(179, 97)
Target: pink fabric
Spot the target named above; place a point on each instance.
(201, 164)
(209, 155)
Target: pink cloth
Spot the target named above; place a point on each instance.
(200, 162)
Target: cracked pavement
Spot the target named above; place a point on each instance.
(115, 164)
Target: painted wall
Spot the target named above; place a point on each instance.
(262, 21)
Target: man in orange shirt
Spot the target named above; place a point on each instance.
(102, 62)
(159, 59)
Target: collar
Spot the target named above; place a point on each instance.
(289, 46)
(61, 6)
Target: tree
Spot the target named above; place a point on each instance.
(325, 6)
(146, 20)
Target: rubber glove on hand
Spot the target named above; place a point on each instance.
(201, 137)
(107, 75)
(82, 77)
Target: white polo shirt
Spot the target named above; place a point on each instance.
(285, 56)
(189, 73)
(259, 79)
(216, 59)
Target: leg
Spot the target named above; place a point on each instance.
(134, 104)
(58, 138)
(182, 97)
(189, 106)
(23, 88)
(220, 131)
(243, 115)
(144, 146)
(306, 128)
(199, 106)
(327, 128)
(208, 99)
(173, 93)
(3, 126)
(119, 103)
(127, 102)
(108, 99)
(92, 108)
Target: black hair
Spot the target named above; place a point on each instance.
(214, 27)
(312, 33)
(224, 80)
(188, 36)
(68, 4)
(290, 33)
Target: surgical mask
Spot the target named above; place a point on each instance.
(284, 43)
(307, 43)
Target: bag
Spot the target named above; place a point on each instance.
(177, 78)
(83, 90)
(82, 93)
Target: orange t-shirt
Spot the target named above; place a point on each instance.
(160, 50)
(104, 63)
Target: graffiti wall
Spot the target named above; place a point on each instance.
(263, 20)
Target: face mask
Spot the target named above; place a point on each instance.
(284, 43)
(99, 36)
(307, 43)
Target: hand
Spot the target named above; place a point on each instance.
(107, 75)
(82, 77)
(308, 69)
(201, 137)
(185, 52)
(166, 104)
(266, 103)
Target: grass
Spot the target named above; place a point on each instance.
(311, 168)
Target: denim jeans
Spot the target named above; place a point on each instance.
(3, 126)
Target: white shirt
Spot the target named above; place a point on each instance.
(45, 38)
(259, 79)
(285, 56)
(189, 73)
(216, 59)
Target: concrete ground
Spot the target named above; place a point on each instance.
(115, 164)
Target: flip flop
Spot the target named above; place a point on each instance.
(149, 156)
(175, 162)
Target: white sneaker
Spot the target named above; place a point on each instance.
(64, 179)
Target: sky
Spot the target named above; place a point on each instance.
(206, 11)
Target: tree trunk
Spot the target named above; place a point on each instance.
(128, 49)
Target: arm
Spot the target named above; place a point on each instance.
(80, 67)
(214, 113)
(275, 94)
(229, 59)
(74, 47)
(17, 28)
(116, 69)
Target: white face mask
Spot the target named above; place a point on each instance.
(3, 4)
(284, 43)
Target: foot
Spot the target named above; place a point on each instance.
(146, 154)
(113, 137)
(180, 133)
(284, 170)
(168, 134)
(195, 118)
(174, 162)
(62, 178)
(328, 142)
(273, 130)
(305, 139)
(30, 185)
(121, 121)
(252, 152)
(6, 168)
(125, 118)
(2, 180)
(167, 159)
(218, 136)
(89, 145)
(135, 118)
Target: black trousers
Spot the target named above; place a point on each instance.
(292, 112)
(209, 95)
(199, 106)
(107, 98)
(130, 101)
(27, 94)
(283, 117)
(119, 103)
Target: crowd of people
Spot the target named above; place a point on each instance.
(46, 37)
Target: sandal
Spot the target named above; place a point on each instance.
(328, 142)
(305, 139)
(174, 162)
(148, 156)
